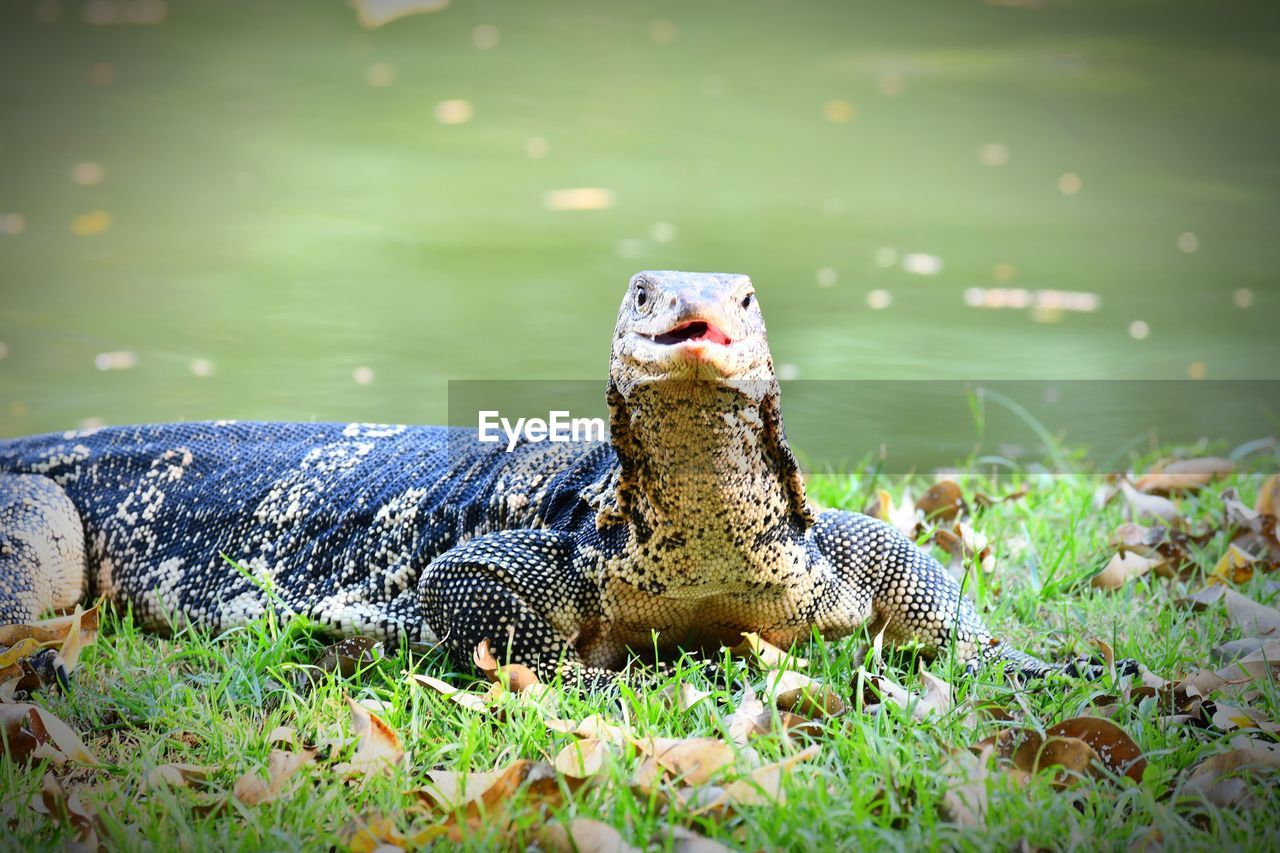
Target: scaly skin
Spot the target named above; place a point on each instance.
(691, 521)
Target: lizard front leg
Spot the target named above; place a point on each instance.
(521, 591)
(915, 599)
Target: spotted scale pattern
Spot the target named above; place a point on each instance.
(688, 527)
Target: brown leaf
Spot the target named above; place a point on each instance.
(797, 692)
(902, 517)
(281, 767)
(762, 788)
(1201, 599)
(176, 775)
(1217, 778)
(1235, 567)
(965, 799)
(1122, 568)
(1112, 744)
(68, 810)
(470, 701)
(687, 841)
(943, 501)
(693, 760)
(378, 747)
(349, 656)
(1269, 497)
(1142, 505)
(583, 835)
(517, 677)
(767, 655)
(16, 740)
(984, 500)
(1250, 617)
(582, 758)
(1184, 475)
(749, 719)
(682, 696)
(1073, 755)
(56, 630)
(937, 697)
(49, 729)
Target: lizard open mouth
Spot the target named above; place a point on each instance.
(694, 330)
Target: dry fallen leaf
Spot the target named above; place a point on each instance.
(1142, 505)
(902, 517)
(470, 701)
(1217, 778)
(762, 788)
(68, 810)
(694, 761)
(1235, 567)
(48, 729)
(937, 697)
(176, 775)
(281, 767)
(378, 747)
(1184, 475)
(583, 835)
(582, 758)
(1250, 617)
(683, 696)
(1269, 497)
(1122, 568)
(965, 800)
(749, 719)
(764, 653)
(797, 692)
(1201, 599)
(943, 501)
(517, 677)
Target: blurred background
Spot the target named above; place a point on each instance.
(323, 210)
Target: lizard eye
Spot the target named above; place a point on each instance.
(642, 298)
(746, 300)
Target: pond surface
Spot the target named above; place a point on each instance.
(262, 210)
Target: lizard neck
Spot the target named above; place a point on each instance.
(707, 475)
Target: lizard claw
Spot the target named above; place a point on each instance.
(47, 665)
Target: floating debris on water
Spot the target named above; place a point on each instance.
(993, 154)
(838, 111)
(578, 198)
(118, 360)
(1138, 330)
(88, 174)
(662, 232)
(377, 13)
(485, 37)
(454, 111)
(918, 263)
(201, 367)
(1243, 298)
(380, 75)
(101, 74)
(362, 375)
(878, 300)
(89, 224)
(1044, 300)
(662, 32)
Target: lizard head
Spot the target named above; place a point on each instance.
(689, 326)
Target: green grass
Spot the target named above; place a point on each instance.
(143, 701)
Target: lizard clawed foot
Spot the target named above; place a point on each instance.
(45, 669)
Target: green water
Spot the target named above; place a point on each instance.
(274, 214)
